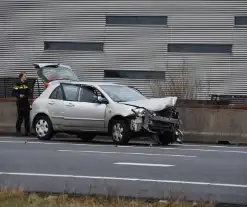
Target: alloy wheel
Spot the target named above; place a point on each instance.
(117, 132)
(42, 128)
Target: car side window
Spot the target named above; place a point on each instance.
(89, 94)
(57, 93)
(71, 92)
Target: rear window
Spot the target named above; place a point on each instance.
(59, 73)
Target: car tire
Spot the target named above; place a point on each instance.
(43, 128)
(166, 138)
(120, 132)
(86, 137)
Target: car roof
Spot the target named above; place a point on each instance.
(89, 83)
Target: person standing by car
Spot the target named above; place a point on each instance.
(21, 92)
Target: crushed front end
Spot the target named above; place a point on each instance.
(162, 124)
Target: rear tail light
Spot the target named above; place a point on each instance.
(47, 85)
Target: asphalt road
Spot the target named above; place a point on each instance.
(194, 172)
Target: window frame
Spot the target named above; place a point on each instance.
(95, 88)
(193, 48)
(74, 46)
(135, 20)
(159, 76)
(64, 97)
(241, 18)
(55, 91)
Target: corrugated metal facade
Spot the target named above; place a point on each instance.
(26, 24)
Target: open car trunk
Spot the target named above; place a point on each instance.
(48, 72)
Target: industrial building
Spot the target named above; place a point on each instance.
(198, 45)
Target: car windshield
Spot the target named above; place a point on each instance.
(122, 93)
(59, 73)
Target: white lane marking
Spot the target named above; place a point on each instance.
(182, 147)
(45, 143)
(207, 150)
(147, 142)
(74, 144)
(226, 147)
(142, 164)
(126, 153)
(18, 138)
(189, 145)
(125, 179)
(22, 142)
(213, 146)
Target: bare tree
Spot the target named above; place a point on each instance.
(184, 85)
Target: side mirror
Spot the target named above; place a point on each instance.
(102, 100)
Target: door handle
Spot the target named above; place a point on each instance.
(51, 102)
(70, 105)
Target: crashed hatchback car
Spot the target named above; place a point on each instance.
(88, 109)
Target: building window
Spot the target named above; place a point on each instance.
(200, 48)
(79, 46)
(134, 74)
(136, 20)
(241, 21)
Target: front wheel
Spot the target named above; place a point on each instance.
(166, 138)
(43, 128)
(120, 132)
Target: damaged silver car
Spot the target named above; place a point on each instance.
(88, 109)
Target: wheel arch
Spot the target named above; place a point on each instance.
(119, 117)
(39, 115)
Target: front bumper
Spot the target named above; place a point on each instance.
(159, 124)
(154, 124)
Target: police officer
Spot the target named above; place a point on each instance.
(21, 91)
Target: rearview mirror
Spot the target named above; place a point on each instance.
(102, 100)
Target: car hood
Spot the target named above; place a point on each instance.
(154, 104)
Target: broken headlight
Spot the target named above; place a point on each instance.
(139, 112)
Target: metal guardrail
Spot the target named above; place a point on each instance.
(222, 100)
(7, 84)
(229, 99)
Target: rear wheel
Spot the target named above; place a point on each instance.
(120, 132)
(43, 128)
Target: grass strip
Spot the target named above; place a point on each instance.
(20, 199)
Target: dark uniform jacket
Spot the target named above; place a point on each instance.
(22, 88)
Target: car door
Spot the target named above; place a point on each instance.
(91, 113)
(55, 107)
(71, 109)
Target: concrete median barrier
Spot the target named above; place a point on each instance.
(213, 125)
(8, 115)
(200, 124)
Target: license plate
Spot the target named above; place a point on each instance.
(138, 120)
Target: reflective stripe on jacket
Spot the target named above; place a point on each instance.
(19, 89)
